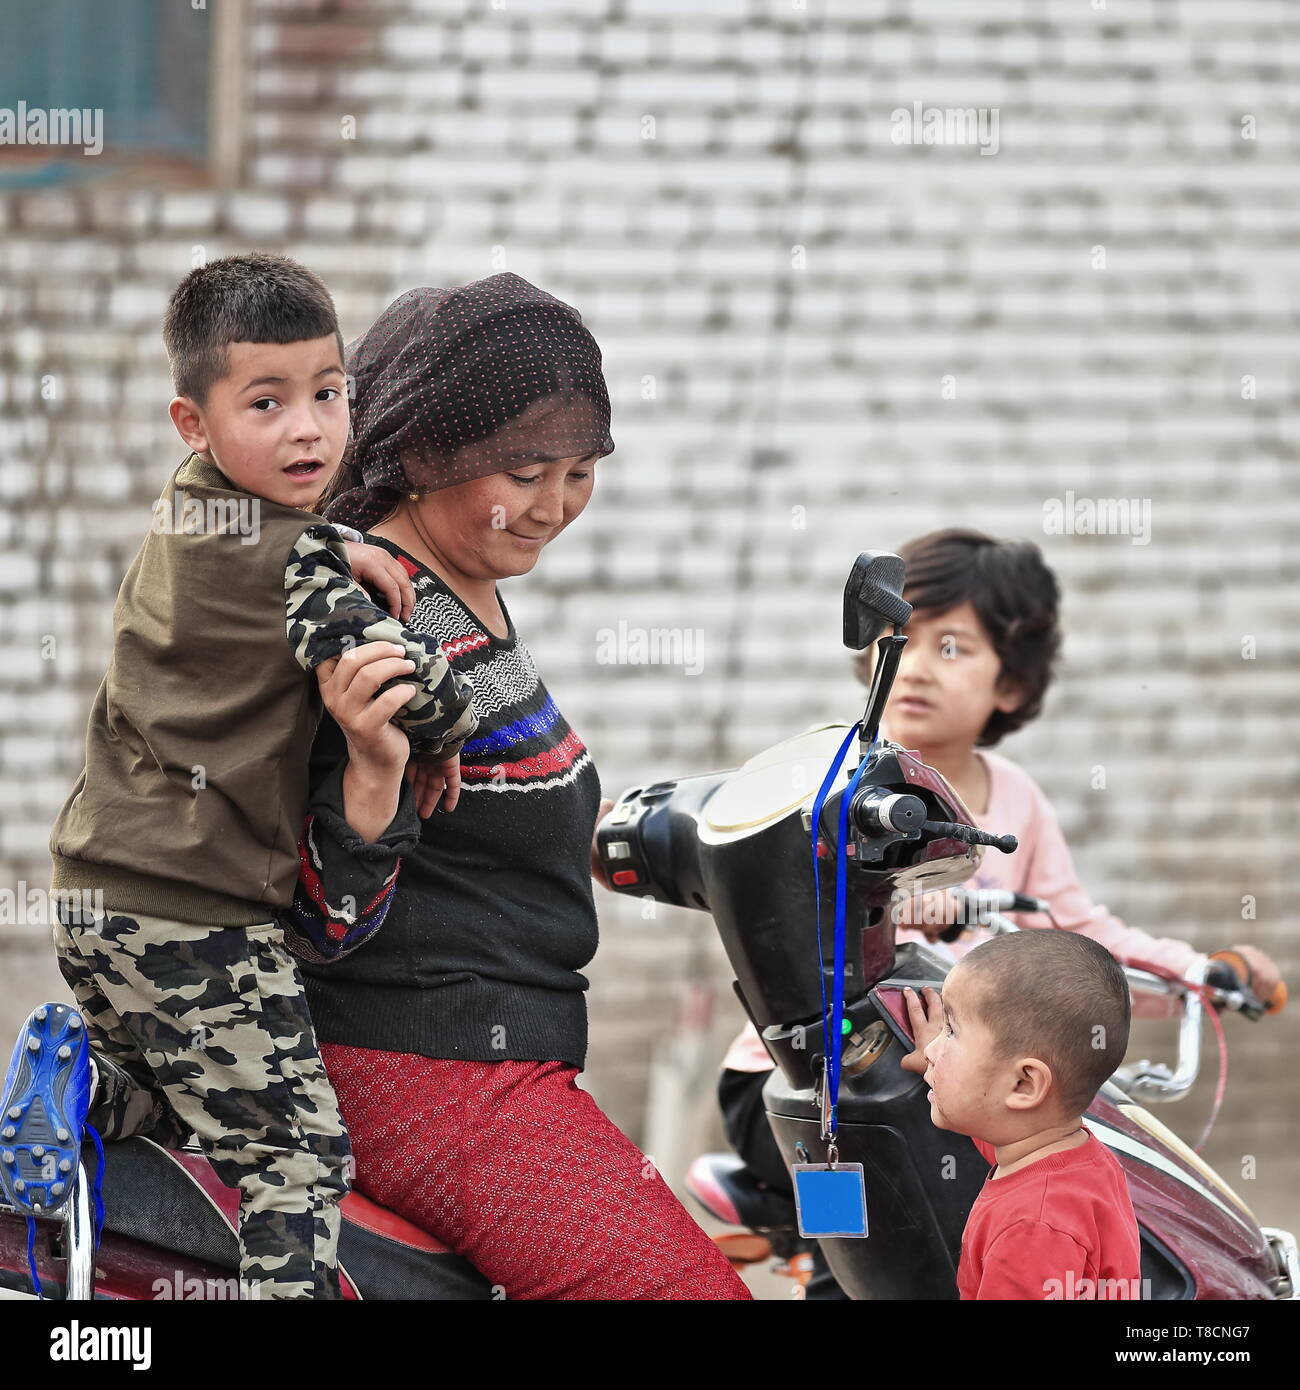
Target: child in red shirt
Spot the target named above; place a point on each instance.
(1032, 1024)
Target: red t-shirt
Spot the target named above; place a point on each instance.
(1062, 1228)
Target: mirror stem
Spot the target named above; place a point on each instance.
(889, 652)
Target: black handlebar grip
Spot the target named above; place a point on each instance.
(972, 835)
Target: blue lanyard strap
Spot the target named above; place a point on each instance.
(832, 1019)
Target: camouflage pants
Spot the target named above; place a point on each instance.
(204, 1032)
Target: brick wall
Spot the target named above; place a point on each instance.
(781, 292)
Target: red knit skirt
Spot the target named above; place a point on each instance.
(517, 1170)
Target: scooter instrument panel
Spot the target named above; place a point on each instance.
(773, 783)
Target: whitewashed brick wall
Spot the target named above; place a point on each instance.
(512, 138)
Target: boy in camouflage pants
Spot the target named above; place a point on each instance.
(179, 843)
(228, 1045)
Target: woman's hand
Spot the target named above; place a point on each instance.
(926, 1018)
(377, 749)
(377, 569)
(597, 868)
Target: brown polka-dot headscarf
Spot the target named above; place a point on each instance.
(450, 385)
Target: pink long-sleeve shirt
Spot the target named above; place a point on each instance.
(1042, 868)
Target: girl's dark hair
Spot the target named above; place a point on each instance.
(252, 298)
(1015, 596)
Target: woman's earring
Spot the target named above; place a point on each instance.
(413, 496)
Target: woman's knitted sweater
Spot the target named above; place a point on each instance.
(476, 923)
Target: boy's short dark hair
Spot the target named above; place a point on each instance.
(1058, 996)
(253, 298)
(1015, 596)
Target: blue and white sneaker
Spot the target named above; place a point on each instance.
(43, 1113)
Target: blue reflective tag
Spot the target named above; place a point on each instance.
(830, 1201)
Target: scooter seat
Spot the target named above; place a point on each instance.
(726, 1188)
(173, 1200)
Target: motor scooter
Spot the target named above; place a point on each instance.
(738, 844)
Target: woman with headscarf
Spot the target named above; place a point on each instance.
(454, 1036)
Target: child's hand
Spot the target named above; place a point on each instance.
(374, 567)
(597, 868)
(1261, 974)
(932, 913)
(926, 1018)
(434, 780)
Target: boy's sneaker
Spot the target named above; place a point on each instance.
(47, 1092)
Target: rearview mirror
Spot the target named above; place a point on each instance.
(873, 598)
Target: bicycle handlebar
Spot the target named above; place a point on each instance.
(1145, 1080)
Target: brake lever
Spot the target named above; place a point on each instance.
(1238, 997)
(1244, 1002)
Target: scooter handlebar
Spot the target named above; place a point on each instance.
(971, 835)
(901, 813)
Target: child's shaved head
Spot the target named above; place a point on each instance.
(1058, 996)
